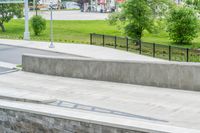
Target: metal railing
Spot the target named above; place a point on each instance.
(166, 52)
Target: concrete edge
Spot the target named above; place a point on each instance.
(57, 112)
(11, 98)
(109, 60)
(8, 65)
(147, 73)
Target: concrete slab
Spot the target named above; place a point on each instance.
(161, 105)
(84, 50)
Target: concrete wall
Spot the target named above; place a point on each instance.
(161, 74)
(27, 117)
(12, 121)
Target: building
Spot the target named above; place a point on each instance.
(47, 2)
(44, 4)
(100, 5)
(105, 5)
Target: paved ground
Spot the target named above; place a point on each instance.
(98, 98)
(133, 102)
(3, 69)
(13, 54)
(84, 50)
(72, 15)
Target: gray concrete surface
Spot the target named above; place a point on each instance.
(3, 69)
(13, 54)
(7, 65)
(162, 106)
(84, 50)
(71, 15)
(169, 74)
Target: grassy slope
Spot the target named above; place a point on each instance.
(78, 32)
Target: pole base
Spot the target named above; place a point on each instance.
(27, 36)
(51, 45)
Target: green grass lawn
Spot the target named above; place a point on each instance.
(163, 38)
(64, 31)
(78, 32)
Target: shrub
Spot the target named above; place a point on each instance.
(183, 25)
(38, 24)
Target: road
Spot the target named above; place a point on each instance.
(71, 15)
(12, 54)
(3, 69)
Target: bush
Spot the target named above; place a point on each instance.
(183, 25)
(38, 24)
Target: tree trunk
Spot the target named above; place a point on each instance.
(2, 27)
(36, 8)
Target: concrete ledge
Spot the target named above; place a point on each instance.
(33, 117)
(161, 74)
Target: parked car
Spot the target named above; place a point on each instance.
(53, 6)
(70, 5)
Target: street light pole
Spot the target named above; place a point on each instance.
(26, 32)
(33, 5)
(51, 26)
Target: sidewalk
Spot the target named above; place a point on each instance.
(84, 50)
(139, 103)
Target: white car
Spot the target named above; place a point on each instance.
(70, 5)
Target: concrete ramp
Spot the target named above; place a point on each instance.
(116, 103)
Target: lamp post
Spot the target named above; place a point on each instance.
(33, 5)
(51, 26)
(26, 32)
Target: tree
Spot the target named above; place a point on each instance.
(139, 15)
(193, 3)
(183, 25)
(38, 24)
(34, 4)
(7, 12)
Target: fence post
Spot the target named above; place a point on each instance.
(91, 38)
(154, 49)
(115, 42)
(103, 40)
(169, 53)
(126, 43)
(187, 54)
(140, 45)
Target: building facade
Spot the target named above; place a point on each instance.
(105, 5)
(100, 5)
(47, 2)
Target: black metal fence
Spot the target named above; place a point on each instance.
(171, 53)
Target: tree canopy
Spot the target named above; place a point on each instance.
(139, 15)
(8, 11)
(193, 3)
